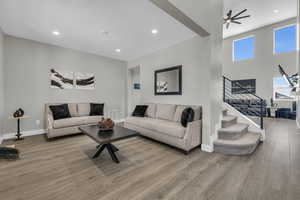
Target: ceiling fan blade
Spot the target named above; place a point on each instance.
(227, 25)
(241, 17)
(229, 13)
(236, 22)
(240, 13)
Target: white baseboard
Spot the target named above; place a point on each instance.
(24, 134)
(207, 148)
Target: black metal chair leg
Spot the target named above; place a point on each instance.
(99, 151)
(112, 153)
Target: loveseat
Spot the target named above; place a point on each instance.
(162, 122)
(80, 115)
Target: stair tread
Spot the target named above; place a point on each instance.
(249, 138)
(228, 118)
(238, 127)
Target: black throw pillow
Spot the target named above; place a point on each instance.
(60, 111)
(96, 109)
(139, 111)
(187, 116)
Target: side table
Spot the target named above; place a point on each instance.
(18, 125)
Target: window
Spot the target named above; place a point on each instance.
(243, 49)
(281, 89)
(285, 39)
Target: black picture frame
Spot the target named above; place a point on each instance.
(179, 92)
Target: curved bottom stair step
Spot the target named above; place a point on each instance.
(242, 146)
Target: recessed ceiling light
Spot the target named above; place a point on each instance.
(154, 31)
(276, 11)
(55, 32)
(118, 50)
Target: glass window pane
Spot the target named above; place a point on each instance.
(286, 39)
(244, 49)
(281, 89)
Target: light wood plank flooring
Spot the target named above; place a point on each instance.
(63, 170)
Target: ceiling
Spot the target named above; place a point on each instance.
(102, 26)
(82, 22)
(261, 11)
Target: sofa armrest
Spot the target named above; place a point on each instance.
(193, 135)
(49, 122)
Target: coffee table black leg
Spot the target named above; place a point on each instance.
(99, 150)
(112, 153)
(114, 148)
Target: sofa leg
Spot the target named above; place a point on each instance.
(186, 152)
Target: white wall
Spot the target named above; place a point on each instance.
(1, 82)
(27, 84)
(265, 64)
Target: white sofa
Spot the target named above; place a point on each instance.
(163, 123)
(79, 116)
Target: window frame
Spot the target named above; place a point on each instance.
(233, 48)
(282, 27)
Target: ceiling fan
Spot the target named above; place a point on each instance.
(233, 19)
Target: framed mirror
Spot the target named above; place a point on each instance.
(168, 81)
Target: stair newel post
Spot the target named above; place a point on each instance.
(261, 115)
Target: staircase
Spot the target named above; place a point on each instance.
(236, 137)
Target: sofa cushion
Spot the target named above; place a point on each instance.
(139, 111)
(83, 109)
(73, 109)
(92, 119)
(170, 128)
(187, 116)
(165, 111)
(151, 110)
(60, 111)
(96, 109)
(180, 109)
(63, 123)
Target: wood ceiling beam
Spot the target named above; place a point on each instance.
(173, 11)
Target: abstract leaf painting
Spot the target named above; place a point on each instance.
(85, 81)
(62, 79)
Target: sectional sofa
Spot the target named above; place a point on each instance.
(162, 123)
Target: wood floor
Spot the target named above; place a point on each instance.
(63, 170)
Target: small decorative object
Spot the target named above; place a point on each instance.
(272, 102)
(9, 152)
(106, 125)
(137, 86)
(19, 113)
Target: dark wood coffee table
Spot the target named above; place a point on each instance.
(105, 139)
